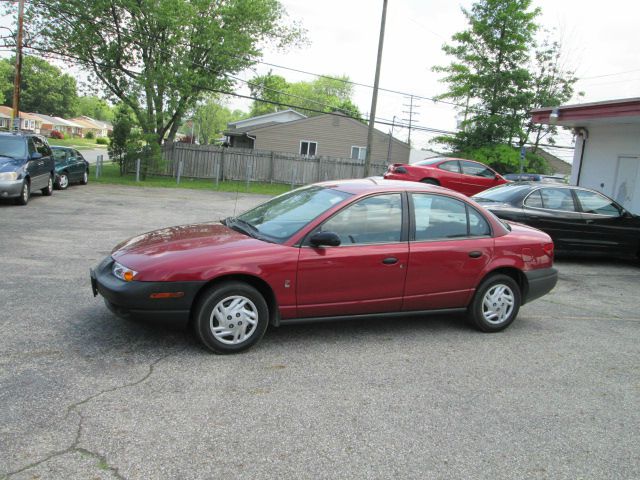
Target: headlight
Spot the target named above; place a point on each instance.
(122, 272)
(9, 176)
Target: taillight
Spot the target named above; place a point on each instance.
(548, 249)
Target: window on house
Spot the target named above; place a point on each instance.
(308, 148)
(358, 153)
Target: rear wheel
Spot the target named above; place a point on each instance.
(48, 190)
(63, 181)
(23, 199)
(495, 304)
(231, 317)
(430, 181)
(85, 178)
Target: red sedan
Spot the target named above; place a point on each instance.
(464, 176)
(331, 250)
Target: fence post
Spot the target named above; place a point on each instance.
(273, 154)
(319, 176)
(293, 174)
(217, 174)
(179, 172)
(247, 169)
(137, 170)
(98, 166)
(222, 164)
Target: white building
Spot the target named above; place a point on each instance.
(607, 153)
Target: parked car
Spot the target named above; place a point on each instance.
(579, 220)
(340, 250)
(464, 176)
(535, 177)
(26, 165)
(70, 167)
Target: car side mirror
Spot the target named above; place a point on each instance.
(35, 156)
(320, 239)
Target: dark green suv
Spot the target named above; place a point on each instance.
(26, 165)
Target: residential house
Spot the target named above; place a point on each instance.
(50, 124)
(97, 127)
(28, 121)
(5, 121)
(236, 134)
(333, 135)
(607, 153)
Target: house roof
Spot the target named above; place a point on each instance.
(241, 131)
(626, 110)
(86, 122)
(23, 115)
(266, 117)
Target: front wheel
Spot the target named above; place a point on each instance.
(23, 199)
(48, 190)
(231, 317)
(63, 181)
(495, 304)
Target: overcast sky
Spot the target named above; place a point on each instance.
(600, 43)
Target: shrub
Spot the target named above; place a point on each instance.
(56, 134)
(89, 135)
(505, 159)
(102, 141)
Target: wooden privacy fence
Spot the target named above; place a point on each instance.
(221, 163)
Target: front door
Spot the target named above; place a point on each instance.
(477, 177)
(366, 272)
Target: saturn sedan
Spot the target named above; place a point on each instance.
(579, 220)
(333, 250)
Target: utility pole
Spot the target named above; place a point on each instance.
(393, 124)
(411, 112)
(374, 100)
(16, 83)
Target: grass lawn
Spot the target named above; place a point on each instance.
(77, 143)
(111, 175)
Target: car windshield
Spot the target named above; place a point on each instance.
(13, 147)
(502, 193)
(278, 219)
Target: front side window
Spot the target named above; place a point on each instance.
(534, 200)
(595, 203)
(438, 217)
(477, 170)
(308, 148)
(375, 219)
(358, 153)
(453, 166)
(558, 199)
(281, 217)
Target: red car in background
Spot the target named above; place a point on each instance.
(340, 250)
(464, 176)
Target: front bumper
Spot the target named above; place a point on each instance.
(539, 282)
(133, 299)
(10, 188)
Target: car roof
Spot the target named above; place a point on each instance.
(361, 186)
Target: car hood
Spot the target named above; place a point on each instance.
(9, 164)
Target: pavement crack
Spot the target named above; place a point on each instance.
(75, 446)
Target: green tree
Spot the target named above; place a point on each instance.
(505, 158)
(160, 56)
(6, 73)
(121, 135)
(490, 71)
(210, 120)
(94, 107)
(43, 87)
(321, 95)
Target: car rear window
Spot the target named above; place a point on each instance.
(502, 193)
(13, 147)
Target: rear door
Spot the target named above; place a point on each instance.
(450, 246)
(607, 228)
(37, 168)
(366, 273)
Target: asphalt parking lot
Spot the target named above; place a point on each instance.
(84, 394)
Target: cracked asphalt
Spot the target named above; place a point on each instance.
(85, 395)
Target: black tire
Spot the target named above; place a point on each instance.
(25, 193)
(85, 178)
(430, 181)
(481, 319)
(63, 181)
(48, 190)
(204, 319)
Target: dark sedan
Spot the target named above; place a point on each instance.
(579, 220)
(70, 167)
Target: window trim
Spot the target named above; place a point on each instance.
(404, 225)
(412, 231)
(309, 142)
(479, 164)
(359, 148)
(459, 172)
(577, 201)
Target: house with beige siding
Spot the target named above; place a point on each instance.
(331, 135)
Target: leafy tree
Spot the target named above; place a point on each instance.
(210, 120)
(320, 95)
(505, 158)
(43, 87)
(159, 56)
(490, 71)
(94, 107)
(122, 136)
(6, 73)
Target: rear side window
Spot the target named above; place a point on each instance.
(558, 199)
(450, 166)
(477, 170)
(534, 200)
(438, 218)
